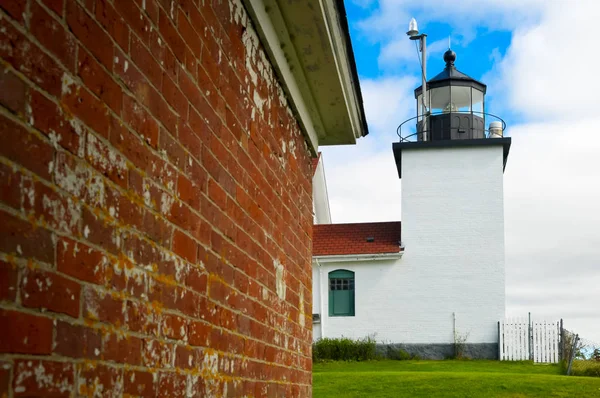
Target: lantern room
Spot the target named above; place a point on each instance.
(454, 106)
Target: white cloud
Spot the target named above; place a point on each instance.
(549, 71)
(402, 51)
(390, 19)
(552, 180)
(362, 180)
(387, 102)
(552, 213)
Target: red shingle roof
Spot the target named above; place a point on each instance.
(340, 239)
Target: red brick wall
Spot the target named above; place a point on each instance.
(155, 204)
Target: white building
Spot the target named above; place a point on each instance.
(436, 278)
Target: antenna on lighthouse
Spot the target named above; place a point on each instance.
(413, 33)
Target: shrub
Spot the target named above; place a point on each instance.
(343, 349)
(584, 368)
(398, 354)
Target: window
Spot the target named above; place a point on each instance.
(341, 293)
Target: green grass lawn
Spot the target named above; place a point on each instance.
(448, 379)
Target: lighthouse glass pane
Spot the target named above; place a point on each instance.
(419, 107)
(460, 99)
(477, 102)
(439, 99)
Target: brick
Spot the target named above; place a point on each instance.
(173, 149)
(171, 36)
(188, 302)
(197, 280)
(135, 18)
(189, 192)
(28, 334)
(185, 246)
(20, 237)
(29, 59)
(10, 186)
(135, 167)
(142, 318)
(157, 229)
(80, 261)
(173, 327)
(125, 207)
(217, 194)
(8, 281)
(140, 120)
(126, 278)
(90, 34)
(163, 292)
(189, 35)
(43, 378)
(145, 61)
(107, 161)
(99, 81)
(41, 289)
(14, 8)
(172, 385)
(174, 96)
(61, 129)
(164, 55)
(55, 5)
(5, 369)
(157, 354)
(53, 35)
(187, 357)
(104, 307)
(161, 110)
(26, 148)
(50, 208)
(199, 333)
(130, 145)
(79, 102)
(77, 341)
(94, 378)
(162, 172)
(139, 383)
(122, 349)
(12, 91)
(191, 90)
(114, 24)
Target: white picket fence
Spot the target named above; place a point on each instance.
(519, 341)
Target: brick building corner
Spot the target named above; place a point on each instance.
(155, 194)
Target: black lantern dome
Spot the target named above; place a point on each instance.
(455, 106)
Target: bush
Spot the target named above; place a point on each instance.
(343, 349)
(584, 368)
(398, 354)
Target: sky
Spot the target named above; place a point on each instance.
(539, 60)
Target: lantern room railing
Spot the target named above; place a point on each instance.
(417, 136)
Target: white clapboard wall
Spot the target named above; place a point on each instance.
(517, 341)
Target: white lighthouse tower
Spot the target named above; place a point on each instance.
(452, 210)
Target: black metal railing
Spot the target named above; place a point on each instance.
(418, 136)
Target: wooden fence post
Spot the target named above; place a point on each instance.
(572, 354)
(499, 343)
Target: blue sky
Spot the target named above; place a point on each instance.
(538, 59)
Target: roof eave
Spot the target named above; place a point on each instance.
(310, 49)
(342, 258)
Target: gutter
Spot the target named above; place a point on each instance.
(322, 318)
(359, 257)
